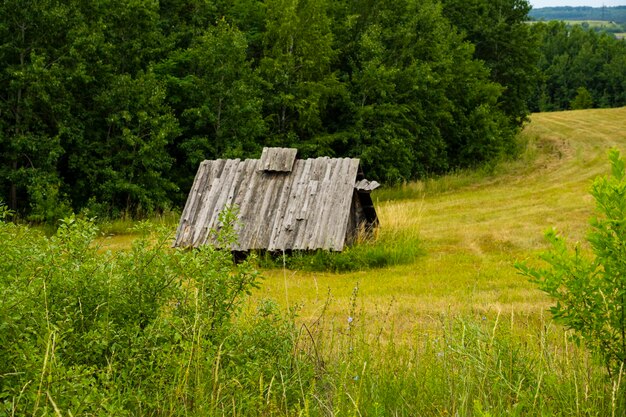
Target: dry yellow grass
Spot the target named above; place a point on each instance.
(473, 234)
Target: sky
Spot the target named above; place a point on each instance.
(593, 3)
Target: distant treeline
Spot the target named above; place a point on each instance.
(615, 14)
(580, 68)
(109, 105)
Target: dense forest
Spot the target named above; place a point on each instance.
(580, 68)
(110, 105)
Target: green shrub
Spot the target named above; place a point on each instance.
(583, 99)
(147, 331)
(590, 292)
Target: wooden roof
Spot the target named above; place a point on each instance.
(304, 209)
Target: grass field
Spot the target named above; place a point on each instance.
(473, 226)
(595, 24)
(456, 331)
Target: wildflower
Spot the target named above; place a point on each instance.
(350, 319)
(356, 378)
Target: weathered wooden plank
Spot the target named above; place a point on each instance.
(366, 186)
(287, 200)
(245, 187)
(204, 186)
(316, 240)
(185, 224)
(248, 205)
(233, 182)
(266, 188)
(296, 223)
(311, 184)
(203, 216)
(220, 197)
(329, 226)
(324, 233)
(267, 226)
(315, 204)
(201, 222)
(304, 194)
(278, 159)
(343, 201)
(289, 220)
(211, 168)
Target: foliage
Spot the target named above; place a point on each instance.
(583, 99)
(110, 105)
(590, 294)
(216, 99)
(478, 365)
(575, 58)
(504, 41)
(144, 331)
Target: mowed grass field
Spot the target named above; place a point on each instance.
(473, 227)
(603, 24)
(454, 332)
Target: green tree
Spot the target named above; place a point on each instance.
(505, 43)
(34, 99)
(419, 102)
(122, 165)
(583, 99)
(573, 58)
(216, 98)
(296, 67)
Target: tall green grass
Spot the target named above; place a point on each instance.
(385, 248)
(469, 366)
(152, 331)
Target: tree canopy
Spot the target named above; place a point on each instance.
(580, 68)
(110, 105)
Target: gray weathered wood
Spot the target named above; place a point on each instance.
(278, 159)
(366, 186)
(308, 207)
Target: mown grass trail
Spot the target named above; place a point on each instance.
(473, 228)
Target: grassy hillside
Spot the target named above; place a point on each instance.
(455, 332)
(473, 226)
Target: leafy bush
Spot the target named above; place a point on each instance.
(148, 331)
(590, 293)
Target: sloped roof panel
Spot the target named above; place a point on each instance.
(307, 209)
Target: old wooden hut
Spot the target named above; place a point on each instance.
(283, 203)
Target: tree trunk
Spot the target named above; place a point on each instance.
(13, 192)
